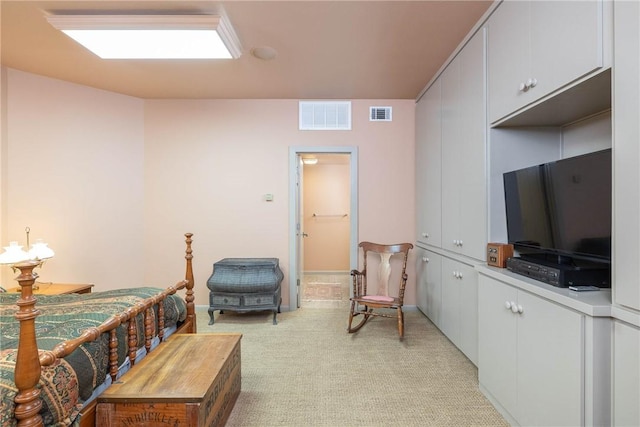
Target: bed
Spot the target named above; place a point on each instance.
(58, 356)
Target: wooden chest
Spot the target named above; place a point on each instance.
(190, 380)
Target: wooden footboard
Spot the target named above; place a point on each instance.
(30, 360)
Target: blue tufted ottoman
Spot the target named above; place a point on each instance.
(245, 284)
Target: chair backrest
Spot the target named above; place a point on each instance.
(384, 271)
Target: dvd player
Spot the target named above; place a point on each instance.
(561, 275)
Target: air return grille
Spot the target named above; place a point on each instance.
(325, 115)
(380, 114)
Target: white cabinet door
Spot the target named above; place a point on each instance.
(428, 167)
(472, 157)
(450, 310)
(451, 155)
(497, 338)
(464, 201)
(508, 58)
(531, 355)
(468, 339)
(421, 280)
(566, 42)
(626, 155)
(459, 315)
(550, 365)
(626, 383)
(429, 284)
(545, 43)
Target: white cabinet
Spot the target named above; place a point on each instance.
(626, 382)
(428, 167)
(531, 358)
(464, 195)
(626, 210)
(459, 311)
(536, 47)
(429, 284)
(626, 155)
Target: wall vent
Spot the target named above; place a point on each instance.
(325, 115)
(380, 114)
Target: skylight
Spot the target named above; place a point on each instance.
(151, 36)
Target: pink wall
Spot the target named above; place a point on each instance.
(113, 182)
(72, 172)
(209, 163)
(326, 194)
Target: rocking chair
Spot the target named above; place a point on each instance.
(364, 300)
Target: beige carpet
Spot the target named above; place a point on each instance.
(308, 371)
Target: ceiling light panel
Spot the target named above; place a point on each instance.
(151, 36)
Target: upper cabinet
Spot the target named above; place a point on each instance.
(464, 129)
(428, 167)
(626, 155)
(528, 48)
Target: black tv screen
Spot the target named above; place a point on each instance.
(562, 208)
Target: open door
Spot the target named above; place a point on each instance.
(300, 234)
(296, 226)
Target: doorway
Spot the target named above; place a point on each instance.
(323, 225)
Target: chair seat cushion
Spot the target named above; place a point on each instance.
(379, 298)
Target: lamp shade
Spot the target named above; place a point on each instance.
(13, 254)
(39, 251)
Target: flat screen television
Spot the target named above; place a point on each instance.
(561, 210)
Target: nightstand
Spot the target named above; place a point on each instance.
(59, 288)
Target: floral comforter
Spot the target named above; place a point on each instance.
(67, 384)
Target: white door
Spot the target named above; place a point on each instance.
(300, 234)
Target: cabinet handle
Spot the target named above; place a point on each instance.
(425, 259)
(523, 87)
(425, 235)
(514, 307)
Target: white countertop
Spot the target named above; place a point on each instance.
(591, 303)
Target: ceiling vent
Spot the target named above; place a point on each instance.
(380, 114)
(325, 115)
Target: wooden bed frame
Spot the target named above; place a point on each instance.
(30, 361)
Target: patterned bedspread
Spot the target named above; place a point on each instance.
(70, 381)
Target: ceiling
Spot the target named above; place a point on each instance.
(325, 49)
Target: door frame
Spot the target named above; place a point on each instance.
(294, 155)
